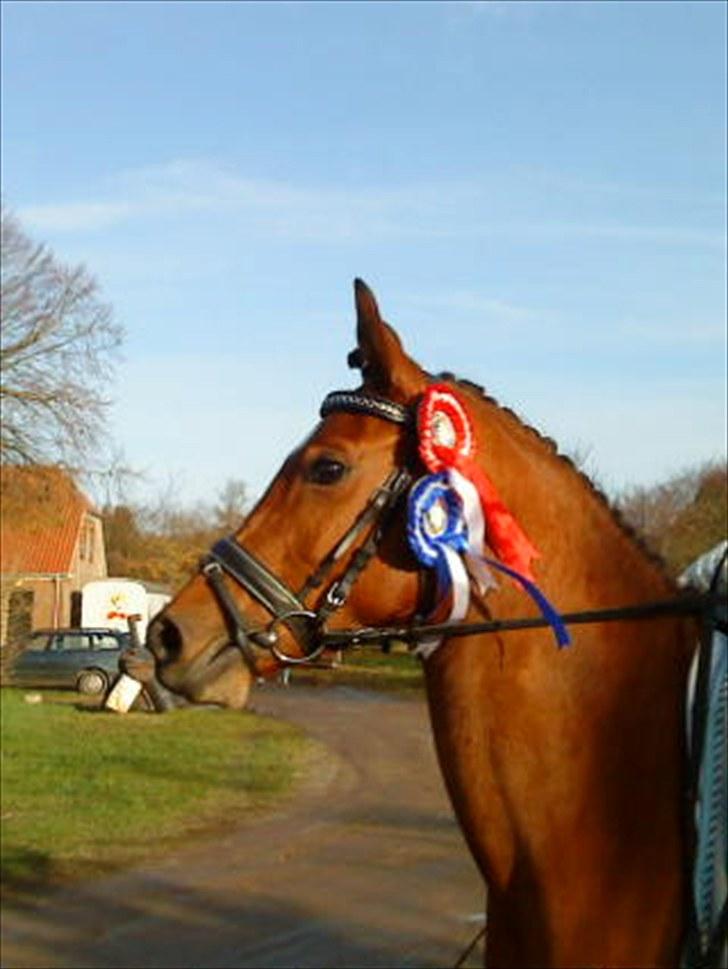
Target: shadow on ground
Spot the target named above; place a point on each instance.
(192, 929)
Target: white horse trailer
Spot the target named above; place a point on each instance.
(110, 602)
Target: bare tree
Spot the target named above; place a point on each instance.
(683, 516)
(162, 540)
(232, 505)
(58, 341)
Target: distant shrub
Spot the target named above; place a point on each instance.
(682, 517)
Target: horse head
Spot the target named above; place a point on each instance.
(329, 496)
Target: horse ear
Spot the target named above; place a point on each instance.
(379, 355)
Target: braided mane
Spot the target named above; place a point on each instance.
(626, 527)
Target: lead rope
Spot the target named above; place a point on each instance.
(682, 606)
(469, 948)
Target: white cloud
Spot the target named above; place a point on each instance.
(334, 214)
(658, 234)
(75, 216)
(685, 332)
(270, 208)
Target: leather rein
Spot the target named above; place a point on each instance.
(308, 625)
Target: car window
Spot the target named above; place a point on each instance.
(105, 641)
(62, 642)
(37, 643)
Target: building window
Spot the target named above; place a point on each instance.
(90, 540)
(86, 541)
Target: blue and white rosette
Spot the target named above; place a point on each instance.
(445, 530)
(437, 535)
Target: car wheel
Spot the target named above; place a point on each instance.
(92, 682)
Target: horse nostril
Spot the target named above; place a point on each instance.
(164, 639)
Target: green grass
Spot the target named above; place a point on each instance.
(397, 671)
(84, 790)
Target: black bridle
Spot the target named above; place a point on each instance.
(287, 607)
(228, 557)
(309, 625)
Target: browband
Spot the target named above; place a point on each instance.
(356, 403)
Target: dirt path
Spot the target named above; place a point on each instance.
(365, 868)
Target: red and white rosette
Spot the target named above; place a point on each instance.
(447, 443)
(444, 429)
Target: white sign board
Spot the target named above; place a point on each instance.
(124, 693)
(109, 603)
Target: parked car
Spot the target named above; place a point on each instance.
(86, 660)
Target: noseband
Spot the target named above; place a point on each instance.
(228, 558)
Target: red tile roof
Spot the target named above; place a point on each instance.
(42, 510)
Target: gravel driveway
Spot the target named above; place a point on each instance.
(366, 867)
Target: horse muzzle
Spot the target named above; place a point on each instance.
(215, 674)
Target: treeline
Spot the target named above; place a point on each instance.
(682, 517)
(162, 541)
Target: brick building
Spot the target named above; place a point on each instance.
(51, 544)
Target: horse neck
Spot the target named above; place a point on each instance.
(587, 556)
(564, 766)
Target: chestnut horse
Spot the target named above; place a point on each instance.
(564, 767)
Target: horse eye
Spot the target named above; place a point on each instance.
(326, 471)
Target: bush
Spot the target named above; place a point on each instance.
(682, 517)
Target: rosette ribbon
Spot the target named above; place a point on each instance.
(447, 448)
(437, 535)
(447, 443)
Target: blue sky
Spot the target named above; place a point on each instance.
(535, 191)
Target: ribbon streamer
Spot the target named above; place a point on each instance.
(560, 631)
(472, 512)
